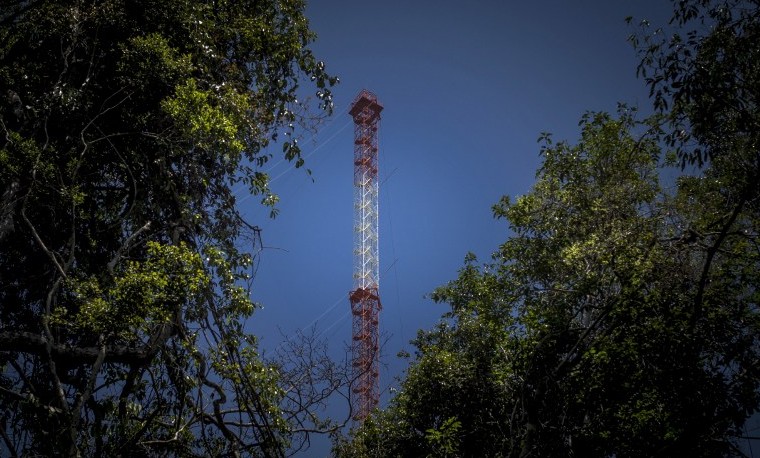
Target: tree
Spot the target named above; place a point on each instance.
(592, 332)
(126, 129)
(703, 74)
(704, 77)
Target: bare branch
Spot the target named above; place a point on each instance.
(125, 246)
(38, 239)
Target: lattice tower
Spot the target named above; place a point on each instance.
(365, 298)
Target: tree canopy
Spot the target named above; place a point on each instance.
(126, 128)
(621, 316)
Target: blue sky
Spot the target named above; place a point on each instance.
(467, 88)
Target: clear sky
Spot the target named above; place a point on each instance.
(467, 88)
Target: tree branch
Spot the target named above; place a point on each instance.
(708, 263)
(38, 239)
(27, 342)
(125, 246)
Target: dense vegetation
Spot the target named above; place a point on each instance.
(621, 317)
(123, 128)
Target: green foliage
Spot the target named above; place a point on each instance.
(703, 73)
(211, 126)
(146, 293)
(443, 440)
(126, 129)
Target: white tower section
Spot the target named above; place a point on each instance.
(366, 253)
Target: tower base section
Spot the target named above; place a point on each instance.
(365, 307)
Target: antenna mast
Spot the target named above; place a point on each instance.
(365, 298)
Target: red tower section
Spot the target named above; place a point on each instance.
(365, 298)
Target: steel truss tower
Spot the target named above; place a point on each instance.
(365, 298)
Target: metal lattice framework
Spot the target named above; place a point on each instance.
(365, 298)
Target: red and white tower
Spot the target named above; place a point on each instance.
(365, 298)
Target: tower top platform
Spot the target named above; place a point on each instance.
(366, 106)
